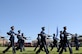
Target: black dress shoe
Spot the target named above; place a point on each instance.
(3, 52)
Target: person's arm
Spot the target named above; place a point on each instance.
(24, 37)
(8, 33)
(15, 33)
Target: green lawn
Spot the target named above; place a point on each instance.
(29, 50)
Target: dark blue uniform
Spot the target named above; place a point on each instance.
(11, 33)
(38, 42)
(61, 42)
(43, 42)
(19, 42)
(66, 42)
(54, 42)
(23, 41)
(76, 41)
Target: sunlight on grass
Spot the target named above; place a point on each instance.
(29, 50)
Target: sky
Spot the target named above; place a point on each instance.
(30, 15)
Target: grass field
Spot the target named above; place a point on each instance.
(29, 50)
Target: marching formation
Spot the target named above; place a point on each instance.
(41, 41)
(63, 44)
(20, 37)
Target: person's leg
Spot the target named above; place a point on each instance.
(70, 48)
(23, 48)
(18, 47)
(7, 48)
(38, 51)
(36, 47)
(62, 48)
(52, 46)
(13, 47)
(61, 51)
(65, 46)
(77, 46)
(65, 49)
(46, 48)
(59, 48)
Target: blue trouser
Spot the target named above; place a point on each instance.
(60, 46)
(43, 45)
(20, 45)
(77, 45)
(64, 46)
(23, 47)
(11, 45)
(54, 45)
